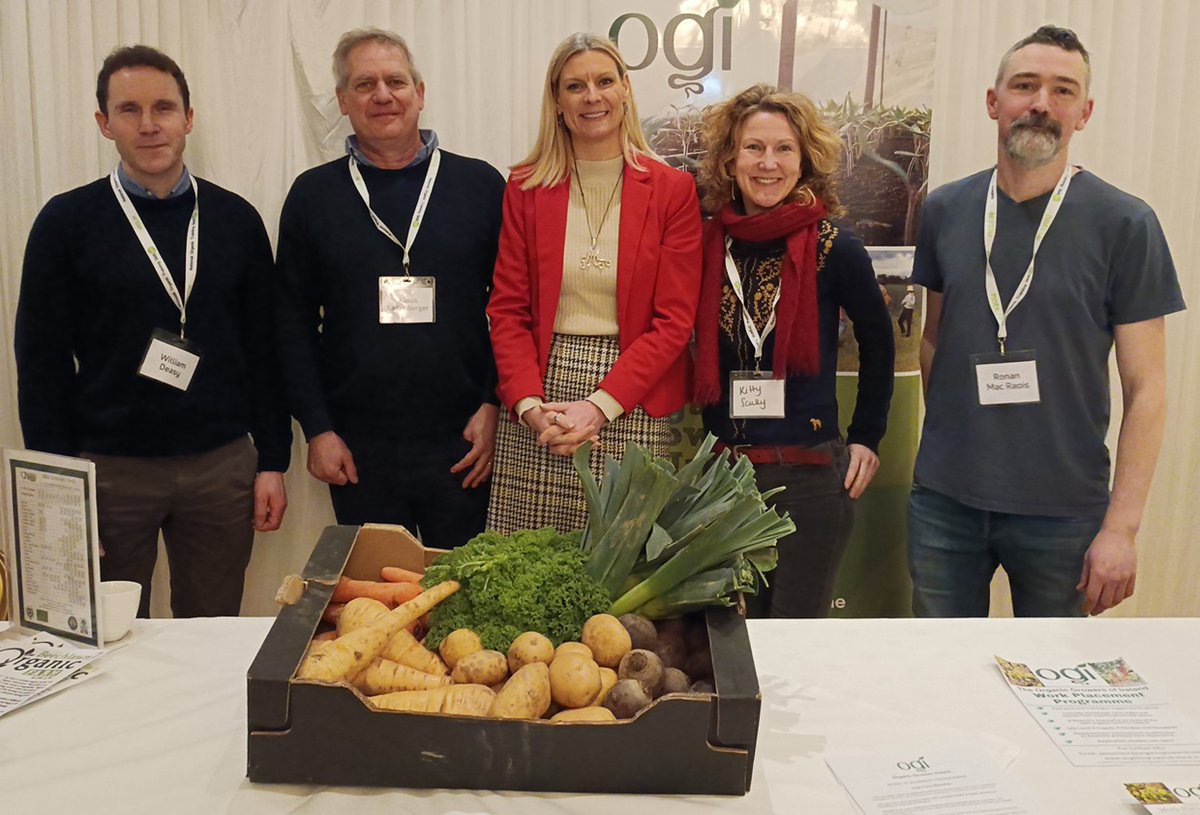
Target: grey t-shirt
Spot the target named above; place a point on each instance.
(1104, 262)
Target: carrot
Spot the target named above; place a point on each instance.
(394, 574)
(404, 648)
(392, 594)
(350, 653)
(463, 700)
(385, 676)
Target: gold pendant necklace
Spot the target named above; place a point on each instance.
(591, 258)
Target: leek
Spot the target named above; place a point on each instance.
(652, 531)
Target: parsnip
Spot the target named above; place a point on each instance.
(385, 676)
(348, 655)
(461, 700)
(404, 648)
(359, 612)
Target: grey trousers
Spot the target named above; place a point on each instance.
(204, 506)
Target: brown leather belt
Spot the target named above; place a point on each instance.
(776, 454)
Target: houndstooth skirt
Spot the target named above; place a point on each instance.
(532, 488)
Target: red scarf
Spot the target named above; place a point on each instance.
(797, 350)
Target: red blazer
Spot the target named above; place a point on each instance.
(658, 286)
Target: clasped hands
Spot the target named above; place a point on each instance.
(563, 426)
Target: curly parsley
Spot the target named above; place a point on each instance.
(530, 581)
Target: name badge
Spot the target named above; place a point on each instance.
(406, 300)
(169, 360)
(1007, 379)
(755, 395)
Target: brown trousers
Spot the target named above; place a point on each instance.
(204, 506)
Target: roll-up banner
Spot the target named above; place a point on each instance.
(869, 68)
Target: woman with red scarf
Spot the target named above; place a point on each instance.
(776, 274)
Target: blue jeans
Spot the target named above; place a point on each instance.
(954, 549)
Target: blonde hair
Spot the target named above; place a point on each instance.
(549, 162)
(820, 147)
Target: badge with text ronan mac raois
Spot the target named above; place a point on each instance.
(170, 359)
(755, 395)
(406, 299)
(1007, 379)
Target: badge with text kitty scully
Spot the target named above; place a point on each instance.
(755, 395)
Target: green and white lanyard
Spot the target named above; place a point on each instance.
(758, 340)
(192, 250)
(418, 213)
(989, 236)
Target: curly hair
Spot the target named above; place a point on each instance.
(820, 147)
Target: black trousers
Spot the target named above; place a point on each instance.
(408, 482)
(802, 585)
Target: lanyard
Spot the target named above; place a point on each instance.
(422, 202)
(156, 259)
(989, 236)
(735, 280)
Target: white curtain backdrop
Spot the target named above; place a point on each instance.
(265, 111)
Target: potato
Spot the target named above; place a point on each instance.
(526, 695)
(480, 668)
(585, 714)
(574, 681)
(607, 639)
(577, 648)
(608, 678)
(458, 644)
(529, 647)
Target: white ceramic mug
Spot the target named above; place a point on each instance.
(119, 601)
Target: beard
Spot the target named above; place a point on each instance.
(1033, 140)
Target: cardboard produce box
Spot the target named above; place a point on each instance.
(304, 733)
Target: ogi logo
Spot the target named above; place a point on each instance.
(918, 764)
(1080, 674)
(703, 64)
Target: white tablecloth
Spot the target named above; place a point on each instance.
(163, 730)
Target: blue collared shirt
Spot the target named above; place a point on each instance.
(134, 188)
(429, 143)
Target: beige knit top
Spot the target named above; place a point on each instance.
(587, 301)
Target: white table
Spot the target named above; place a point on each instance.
(163, 730)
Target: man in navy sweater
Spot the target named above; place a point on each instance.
(146, 344)
(386, 256)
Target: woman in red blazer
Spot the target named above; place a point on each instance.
(594, 294)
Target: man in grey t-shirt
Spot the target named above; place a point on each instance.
(1013, 469)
